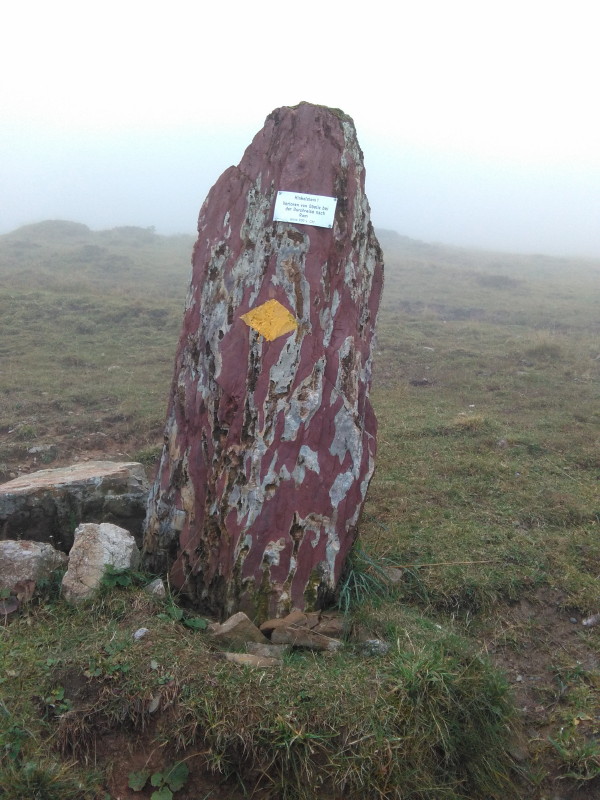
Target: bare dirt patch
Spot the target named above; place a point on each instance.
(548, 655)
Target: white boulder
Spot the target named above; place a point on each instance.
(97, 546)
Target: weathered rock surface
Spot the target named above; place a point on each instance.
(27, 561)
(393, 575)
(268, 650)
(95, 547)
(295, 617)
(46, 506)
(330, 624)
(156, 588)
(238, 630)
(304, 637)
(375, 647)
(270, 440)
(249, 660)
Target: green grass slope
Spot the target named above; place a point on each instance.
(485, 495)
(89, 323)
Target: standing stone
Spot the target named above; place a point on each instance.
(270, 439)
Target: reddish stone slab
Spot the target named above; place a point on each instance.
(270, 445)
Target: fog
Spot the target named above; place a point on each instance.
(477, 121)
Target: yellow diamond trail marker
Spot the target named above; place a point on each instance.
(271, 320)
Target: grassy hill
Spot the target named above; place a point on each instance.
(89, 322)
(486, 387)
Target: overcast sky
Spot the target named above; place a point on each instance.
(479, 121)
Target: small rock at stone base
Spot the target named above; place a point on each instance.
(293, 618)
(375, 647)
(268, 650)
(238, 629)
(249, 660)
(140, 633)
(304, 637)
(589, 622)
(393, 574)
(331, 625)
(312, 620)
(156, 588)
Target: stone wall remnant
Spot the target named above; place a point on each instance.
(270, 437)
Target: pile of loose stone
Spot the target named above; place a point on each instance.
(267, 645)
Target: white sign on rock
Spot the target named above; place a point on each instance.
(305, 209)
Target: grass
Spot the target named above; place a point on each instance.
(89, 322)
(485, 495)
(429, 720)
(364, 580)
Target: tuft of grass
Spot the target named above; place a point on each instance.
(473, 423)
(48, 779)
(364, 580)
(545, 347)
(579, 754)
(25, 433)
(149, 456)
